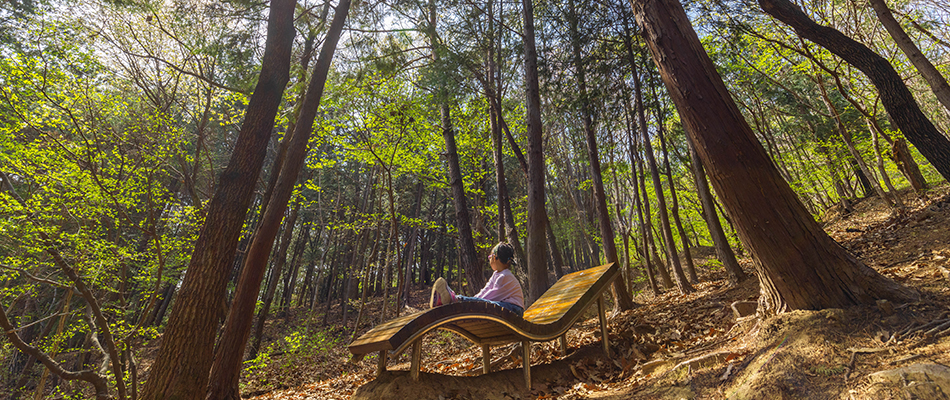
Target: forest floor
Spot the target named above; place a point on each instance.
(673, 346)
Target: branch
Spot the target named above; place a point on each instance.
(35, 278)
(94, 379)
(101, 323)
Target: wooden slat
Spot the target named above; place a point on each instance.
(549, 317)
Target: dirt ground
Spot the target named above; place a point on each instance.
(676, 346)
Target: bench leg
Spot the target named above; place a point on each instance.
(526, 362)
(601, 309)
(381, 363)
(416, 360)
(486, 358)
(563, 340)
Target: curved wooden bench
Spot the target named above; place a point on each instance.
(486, 324)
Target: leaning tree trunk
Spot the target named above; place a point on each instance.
(799, 265)
(536, 247)
(938, 84)
(896, 98)
(237, 328)
(181, 369)
(280, 260)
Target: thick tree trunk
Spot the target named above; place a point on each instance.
(181, 369)
(895, 96)
(536, 248)
(230, 351)
(799, 265)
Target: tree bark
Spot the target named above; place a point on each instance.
(467, 253)
(536, 248)
(230, 351)
(938, 84)
(622, 299)
(181, 369)
(896, 98)
(799, 265)
(681, 282)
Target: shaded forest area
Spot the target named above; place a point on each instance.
(210, 199)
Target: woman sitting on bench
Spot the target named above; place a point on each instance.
(502, 289)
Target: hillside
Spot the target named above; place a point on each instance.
(691, 346)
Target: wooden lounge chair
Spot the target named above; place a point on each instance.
(486, 324)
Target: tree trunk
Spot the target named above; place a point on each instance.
(274, 278)
(846, 137)
(230, 352)
(181, 368)
(718, 236)
(406, 260)
(622, 299)
(895, 96)
(681, 283)
(469, 258)
(938, 84)
(799, 265)
(649, 244)
(365, 280)
(536, 248)
(675, 209)
(506, 222)
(901, 155)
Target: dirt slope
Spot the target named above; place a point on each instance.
(693, 346)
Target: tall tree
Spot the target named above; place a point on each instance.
(536, 248)
(230, 351)
(622, 299)
(799, 265)
(184, 359)
(468, 256)
(671, 255)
